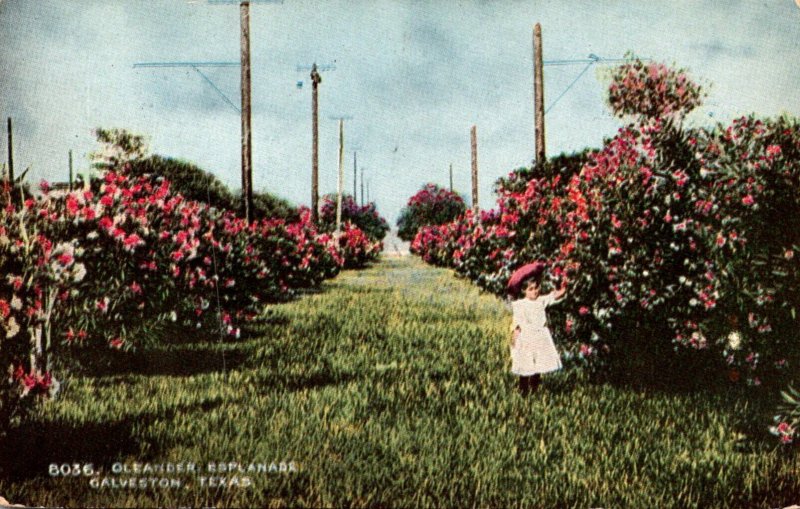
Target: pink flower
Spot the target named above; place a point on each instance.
(583, 310)
(748, 200)
(131, 241)
(773, 150)
(65, 259)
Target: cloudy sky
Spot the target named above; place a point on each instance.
(414, 76)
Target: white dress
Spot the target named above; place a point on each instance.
(534, 351)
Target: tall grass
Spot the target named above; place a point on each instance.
(390, 387)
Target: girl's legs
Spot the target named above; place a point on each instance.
(524, 384)
(529, 384)
(534, 382)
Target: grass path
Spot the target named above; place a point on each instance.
(389, 387)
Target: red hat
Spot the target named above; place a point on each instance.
(534, 269)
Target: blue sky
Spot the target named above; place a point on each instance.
(414, 75)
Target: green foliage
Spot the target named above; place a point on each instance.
(119, 147)
(266, 205)
(122, 148)
(187, 179)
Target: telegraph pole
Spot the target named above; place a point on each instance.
(10, 154)
(316, 79)
(538, 94)
(70, 170)
(451, 177)
(355, 173)
(247, 153)
(362, 186)
(340, 180)
(474, 136)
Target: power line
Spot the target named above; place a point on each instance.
(592, 60)
(197, 66)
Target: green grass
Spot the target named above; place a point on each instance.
(391, 388)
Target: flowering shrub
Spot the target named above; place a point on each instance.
(652, 90)
(429, 206)
(366, 217)
(109, 264)
(37, 273)
(356, 247)
(678, 245)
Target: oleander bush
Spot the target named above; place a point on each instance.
(365, 217)
(125, 257)
(678, 245)
(431, 205)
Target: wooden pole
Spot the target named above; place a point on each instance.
(10, 154)
(451, 177)
(538, 93)
(247, 155)
(316, 79)
(340, 180)
(70, 170)
(474, 137)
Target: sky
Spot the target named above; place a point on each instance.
(415, 76)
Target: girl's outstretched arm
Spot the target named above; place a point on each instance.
(560, 292)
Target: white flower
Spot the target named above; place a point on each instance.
(734, 340)
(693, 302)
(92, 235)
(12, 328)
(78, 272)
(16, 303)
(173, 316)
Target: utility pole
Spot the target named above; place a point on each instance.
(340, 182)
(362, 186)
(340, 179)
(316, 79)
(451, 177)
(474, 133)
(70, 170)
(247, 149)
(355, 173)
(538, 94)
(10, 154)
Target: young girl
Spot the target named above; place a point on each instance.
(532, 349)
